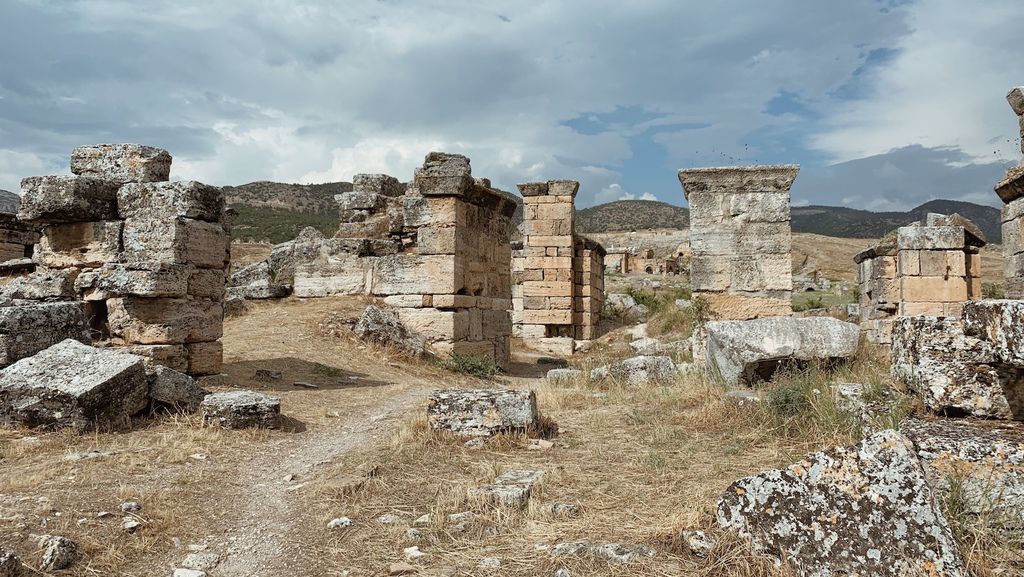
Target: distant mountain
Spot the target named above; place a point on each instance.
(836, 221)
(9, 202)
(277, 211)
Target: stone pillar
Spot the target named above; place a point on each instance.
(933, 265)
(740, 239)
(879, 291)
(1011, 190)
(588, 269)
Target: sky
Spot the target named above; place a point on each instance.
(884, 104)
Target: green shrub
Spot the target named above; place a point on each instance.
(481, 367)
(991, 290)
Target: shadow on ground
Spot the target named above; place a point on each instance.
(282, 374)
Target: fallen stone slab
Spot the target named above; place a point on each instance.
(563, 375)
(73, 385)
(744, 352)
(257, 281)
(510, 489)
(381, 326)
(983, 461)
(637, 370)
(174, 390)
(482, 412)
(241, 410)
(865, 510)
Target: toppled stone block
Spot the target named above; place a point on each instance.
(183, 199)
(480, 412)
(27, 329)
(1000, 323)
(151, 321)
(382, 326)
(625, 306)
(511, 488)
(64, 199)
(175, 390)
(984, 459)
(257, 281)
(122, 163)
(178, 241)
(638, 370)
(950, 371)
(1011, 187)
(743, 352)
(444, 174)
(359, 200)
(241, 410)
(1016, 99)
(144, 279)
(73, 384)
(377, 184)
(58, 552)
(931, 238)
(42, 285)
(83, 244)
(865, 510)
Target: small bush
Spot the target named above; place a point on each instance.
(815, 302)
(991, 290)
(481, 367)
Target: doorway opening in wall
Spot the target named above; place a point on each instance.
(649, 270)
(29, 250)
(96, 316)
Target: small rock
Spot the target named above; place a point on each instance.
(104, 514)
(10, 565)
(130, 524)
(289, 477)
(401, 568)
(340, 523)
(565, 509)
(562, 573)
(413, 553)
(563, 375)
(422, 521)
(388, 519)
(412, 534)
(241, 409)
(646, 346)
(475, 443)
(188, 573)
(698, 542)
(463, 517)
(200, 561)
(538, 445)
(490, 562)
(130, 506)
(512, 488)
(58, 552)
(199, 456)
(268, 375)
(305, 385)
(87, 455)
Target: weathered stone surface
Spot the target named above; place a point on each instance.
(42, 285)
(182, 199)
(763, 178)
(975, 236)
(58, 552)
(1011, 187)
(10, 565)
(9, 202)
(1016, 99)
(176, 240)
(206, 283)
(205, 358)
(742, 352)
(563, 375)
(382, 326)
(510, 489)
(480, 412)
(625, 305)
(377, 184)
(27, 329)
(950, 371)
(866, 510)
(638, 370)
(415, 274)
(257, 281)
(444, 174)
(999, 323)
(173, 389)
(73, 384)
(83, 244)
(930, 238)
(985, 460)
(122, 163)
(63, 199)
(144, 279)
(241, 410)
(165, 320)
(170, 356)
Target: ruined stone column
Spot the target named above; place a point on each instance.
(879, 290)
(740, 238)
(1011, 190)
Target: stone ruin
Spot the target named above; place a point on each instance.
(1011, 192)
(928, 268)
(558, 290)
(126, 259)
(740, 239)
(632, 260)
(437, 252)
(17, 239)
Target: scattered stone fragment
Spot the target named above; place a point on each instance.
(481, 412)
(130, 524)
(10, 565)
(646, 346)
(698, 542)
(340, 523)
(622, 553)
(864, 510)
(188, 573)
(463, 517)
(538, 445)
(383, 327)
(637, 370)
(413, 553)
(745, 352)
(241, 409)
(490, 563)
(413, 534)
(130, 506)
(268, 375)
(511, 488)
(421, 521)
(178, 391)
(563, 375)
(388, 519)
(304, 385)
(199, 561)
(78, 456)
(562, 573)
(564, 509)
(401, 568)
(58, 552)
(72, 384)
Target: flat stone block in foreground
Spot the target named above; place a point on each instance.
(864, 510)
(73, 384)
(241, 410)
(480, 412)
(27, 329)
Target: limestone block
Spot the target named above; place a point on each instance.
(206, 283)
(344, 274)
(85, 244)
(763, 272)
(930, 238)
(444, 174)
(183, 199)
(16, 232)
(170, 356)
(936, 263)
(741, 307)
(1013, 266)
(165, 320)
(408, 301)
(547, 317)
(933, 289)
(836, 513)
(733, 179)
(436, 325)
(360, 200)
(27, 329)
(563, 188)
(1001, 324)
(122, 163)
(555, 211)
(173, 389)
(1016, 99)
(241, 410)
(73, 384)
(378, 184)
(547, 289)
(760, 207)
(638, 370)
(909, 262)
(205, 358)
(178, 240)
(64, 199)
(383, 327)
(416, 274)
(558, 241)
(439, 240)
(479, 412)
(11, 251)
(709, 273)
(42, 284)
(144, 279)
(475, 349)
(532, 189)
(744, 352)
(1009, 189)
(914, 309)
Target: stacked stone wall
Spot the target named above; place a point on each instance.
(1011, 192)
(147, 258)
(938, 270)
(740, 239)
(879, 291)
